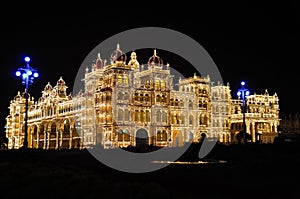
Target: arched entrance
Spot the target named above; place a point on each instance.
(141, 138)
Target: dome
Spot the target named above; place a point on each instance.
(17, 97)
(118, 56)
(155, 60)
(24, 94)
(99, 62)
(60, 82)
(48, 87)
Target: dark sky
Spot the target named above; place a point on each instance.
(257, 43)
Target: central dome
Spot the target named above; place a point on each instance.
(118, 56)
(155, 60)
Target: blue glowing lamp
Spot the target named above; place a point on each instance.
(243, 83)
(18, 73)
(27, 72)
(27, 59)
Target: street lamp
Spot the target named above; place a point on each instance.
(27, 73)
(242, 93)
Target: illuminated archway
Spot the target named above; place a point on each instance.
(141, 138)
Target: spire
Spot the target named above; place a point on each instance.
(155, 52)
(118, 46)
(266, 92)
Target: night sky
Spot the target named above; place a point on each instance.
(255, 43)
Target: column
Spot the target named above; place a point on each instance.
(57, 140)
(37, 138)
(48, 140)
(253, 132)
(71, 136)
(45, 140)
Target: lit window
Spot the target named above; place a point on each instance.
(119, 79)
(125, 79)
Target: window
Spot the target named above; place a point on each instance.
(126, 96)
(164, 116)
(163, 84)
(191, 120)
(158, 98)
(119, 79)
(143, 116)
(158, 116)
(146, 97)
(190, 104)
(125, 79)
(163, 98)
(147, 116)
(136, 96)
(120, 114)
(157, 84)
(136, 115)
(127, 115)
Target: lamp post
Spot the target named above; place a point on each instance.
(242, 93)
(27, 73)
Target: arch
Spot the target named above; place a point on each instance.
(120, 95)
(191, 137)
(66, 134)
(126, 96)
(158, 98)
(146, 98)
(147, 116)
(163, 84)
(141, 138)
(126, 135)
(34, 144)
(126, 115)
(52, 136)
(41, 136)
(142, 116)
(164, 116)
(191, 122)
(157, 84)
(161, 135)
(190, 104)
(158, 116)
(29, 136)
(163, 98)
(120, 114)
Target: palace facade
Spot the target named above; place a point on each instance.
(125, 103)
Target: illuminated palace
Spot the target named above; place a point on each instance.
(125, 103)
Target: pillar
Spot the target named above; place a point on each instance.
(45, 140)
(253, 132)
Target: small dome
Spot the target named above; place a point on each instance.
(61, 82)
(17, 97)
(155, 60)
(48, 87)
(99, 62)
(118, 56)
(24, 94)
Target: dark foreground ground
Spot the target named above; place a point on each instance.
(252, 171)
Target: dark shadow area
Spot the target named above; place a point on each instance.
(267, 169)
